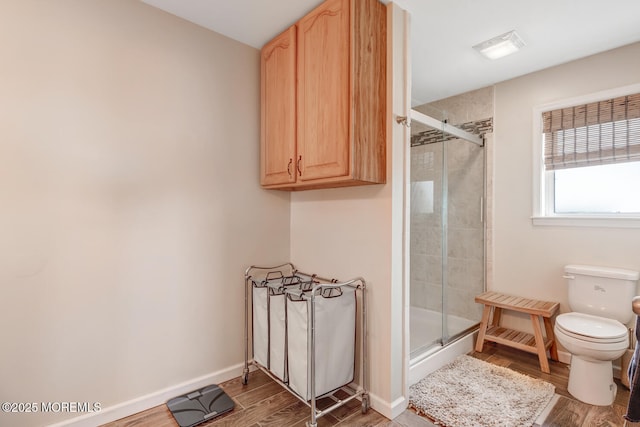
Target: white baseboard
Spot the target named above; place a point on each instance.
(387, 409)
(398, 406)
(142, 403)
(564, 357)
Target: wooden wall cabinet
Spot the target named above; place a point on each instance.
(278, 110)
(323, 99)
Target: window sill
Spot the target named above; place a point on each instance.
(587, 221)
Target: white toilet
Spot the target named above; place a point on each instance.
(595, 333)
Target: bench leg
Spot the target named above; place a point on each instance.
(484, 324)
(497, 315)
(553, 350)
(542, 352)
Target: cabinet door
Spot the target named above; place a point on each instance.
(324, 91)
(278, 110)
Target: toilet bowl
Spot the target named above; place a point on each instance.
(595, 331)
(594, 342)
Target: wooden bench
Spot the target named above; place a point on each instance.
(533, 343)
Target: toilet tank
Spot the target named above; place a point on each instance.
(602, 291)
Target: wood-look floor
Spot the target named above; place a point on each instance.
(260, 403)
(263, 403)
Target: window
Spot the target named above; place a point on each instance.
(588, 159)
(604, 189)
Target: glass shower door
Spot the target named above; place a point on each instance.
(446, 235)
(464, 234)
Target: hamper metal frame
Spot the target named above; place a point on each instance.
(358, 284)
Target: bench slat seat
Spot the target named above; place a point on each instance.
(539, 311)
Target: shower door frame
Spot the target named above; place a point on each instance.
(431, 122)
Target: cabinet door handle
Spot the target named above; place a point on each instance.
(289, 166)
(298, 166)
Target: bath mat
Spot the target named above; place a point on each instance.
(472, 393)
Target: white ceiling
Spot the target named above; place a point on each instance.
(443, 31)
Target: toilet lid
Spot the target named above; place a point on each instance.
(591, 326)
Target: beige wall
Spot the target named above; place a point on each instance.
(528, 260)
(130, 203)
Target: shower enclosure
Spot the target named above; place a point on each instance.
(447, 229)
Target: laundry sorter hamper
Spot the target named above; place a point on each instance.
(304, 331)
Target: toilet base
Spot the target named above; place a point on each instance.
(592, 382)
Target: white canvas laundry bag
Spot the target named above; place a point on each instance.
(277, 324)
(335, 326)
(260, 315)
(260, 330)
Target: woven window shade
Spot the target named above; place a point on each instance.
(590, 134)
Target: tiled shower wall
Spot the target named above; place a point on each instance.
(469, 249)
